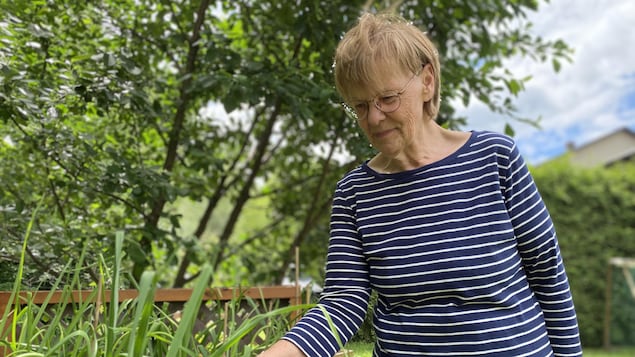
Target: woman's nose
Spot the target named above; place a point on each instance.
(374, 114)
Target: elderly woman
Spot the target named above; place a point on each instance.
(447, 227)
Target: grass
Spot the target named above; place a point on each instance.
(135, 327)
(617, 352)
(360, 349)
(363, 349)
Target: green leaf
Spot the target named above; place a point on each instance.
(183, 333)
(509, 130)
(143, 313)
(514, 86)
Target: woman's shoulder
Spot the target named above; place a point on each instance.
(492, 136)
(354, 176)
(490, 140)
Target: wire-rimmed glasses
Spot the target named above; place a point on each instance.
(387, 102)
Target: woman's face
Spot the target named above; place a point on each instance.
(393, 132)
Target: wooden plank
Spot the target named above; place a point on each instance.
(608, 298)
(161, 295)
(622, 262)
(626, 264)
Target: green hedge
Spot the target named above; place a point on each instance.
(594, 214)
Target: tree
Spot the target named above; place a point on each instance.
(108, 118)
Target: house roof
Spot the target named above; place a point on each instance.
(610, 148)
(604, 137)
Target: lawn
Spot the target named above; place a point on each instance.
(366, 350)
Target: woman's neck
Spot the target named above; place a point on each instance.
(429, 148)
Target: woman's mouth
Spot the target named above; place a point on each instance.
(382, 134)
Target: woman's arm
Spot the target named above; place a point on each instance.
(282, 348)
(542, 261)
(324, 329)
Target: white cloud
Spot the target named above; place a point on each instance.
(592, 96)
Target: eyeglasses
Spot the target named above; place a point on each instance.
(386, 102)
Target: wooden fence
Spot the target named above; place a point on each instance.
(625, 264)
(288, 295)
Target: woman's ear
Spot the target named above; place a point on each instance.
(427, 79)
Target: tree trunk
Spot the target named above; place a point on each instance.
(243, 196)
(152, 219)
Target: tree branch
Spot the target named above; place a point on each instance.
(177, 126)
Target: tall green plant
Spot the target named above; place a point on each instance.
(113, 315)
(17, 285)
(135, 327)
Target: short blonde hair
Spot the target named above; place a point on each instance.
(384, 40)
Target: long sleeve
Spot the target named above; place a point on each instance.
(346, 288)
(540, 253)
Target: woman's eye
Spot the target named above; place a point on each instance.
(389, 99)
(361, 107)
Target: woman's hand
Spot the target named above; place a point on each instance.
(282, 348)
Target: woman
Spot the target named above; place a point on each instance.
(446, 226)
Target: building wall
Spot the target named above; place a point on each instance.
(614, 147)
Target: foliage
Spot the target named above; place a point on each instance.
(112, 112)
(135, 327)
(593, 211)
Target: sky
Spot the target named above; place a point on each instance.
(589, 97)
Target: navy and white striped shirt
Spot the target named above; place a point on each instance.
(463, 256)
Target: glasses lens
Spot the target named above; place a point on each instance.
(388, 103)
(361, 109)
